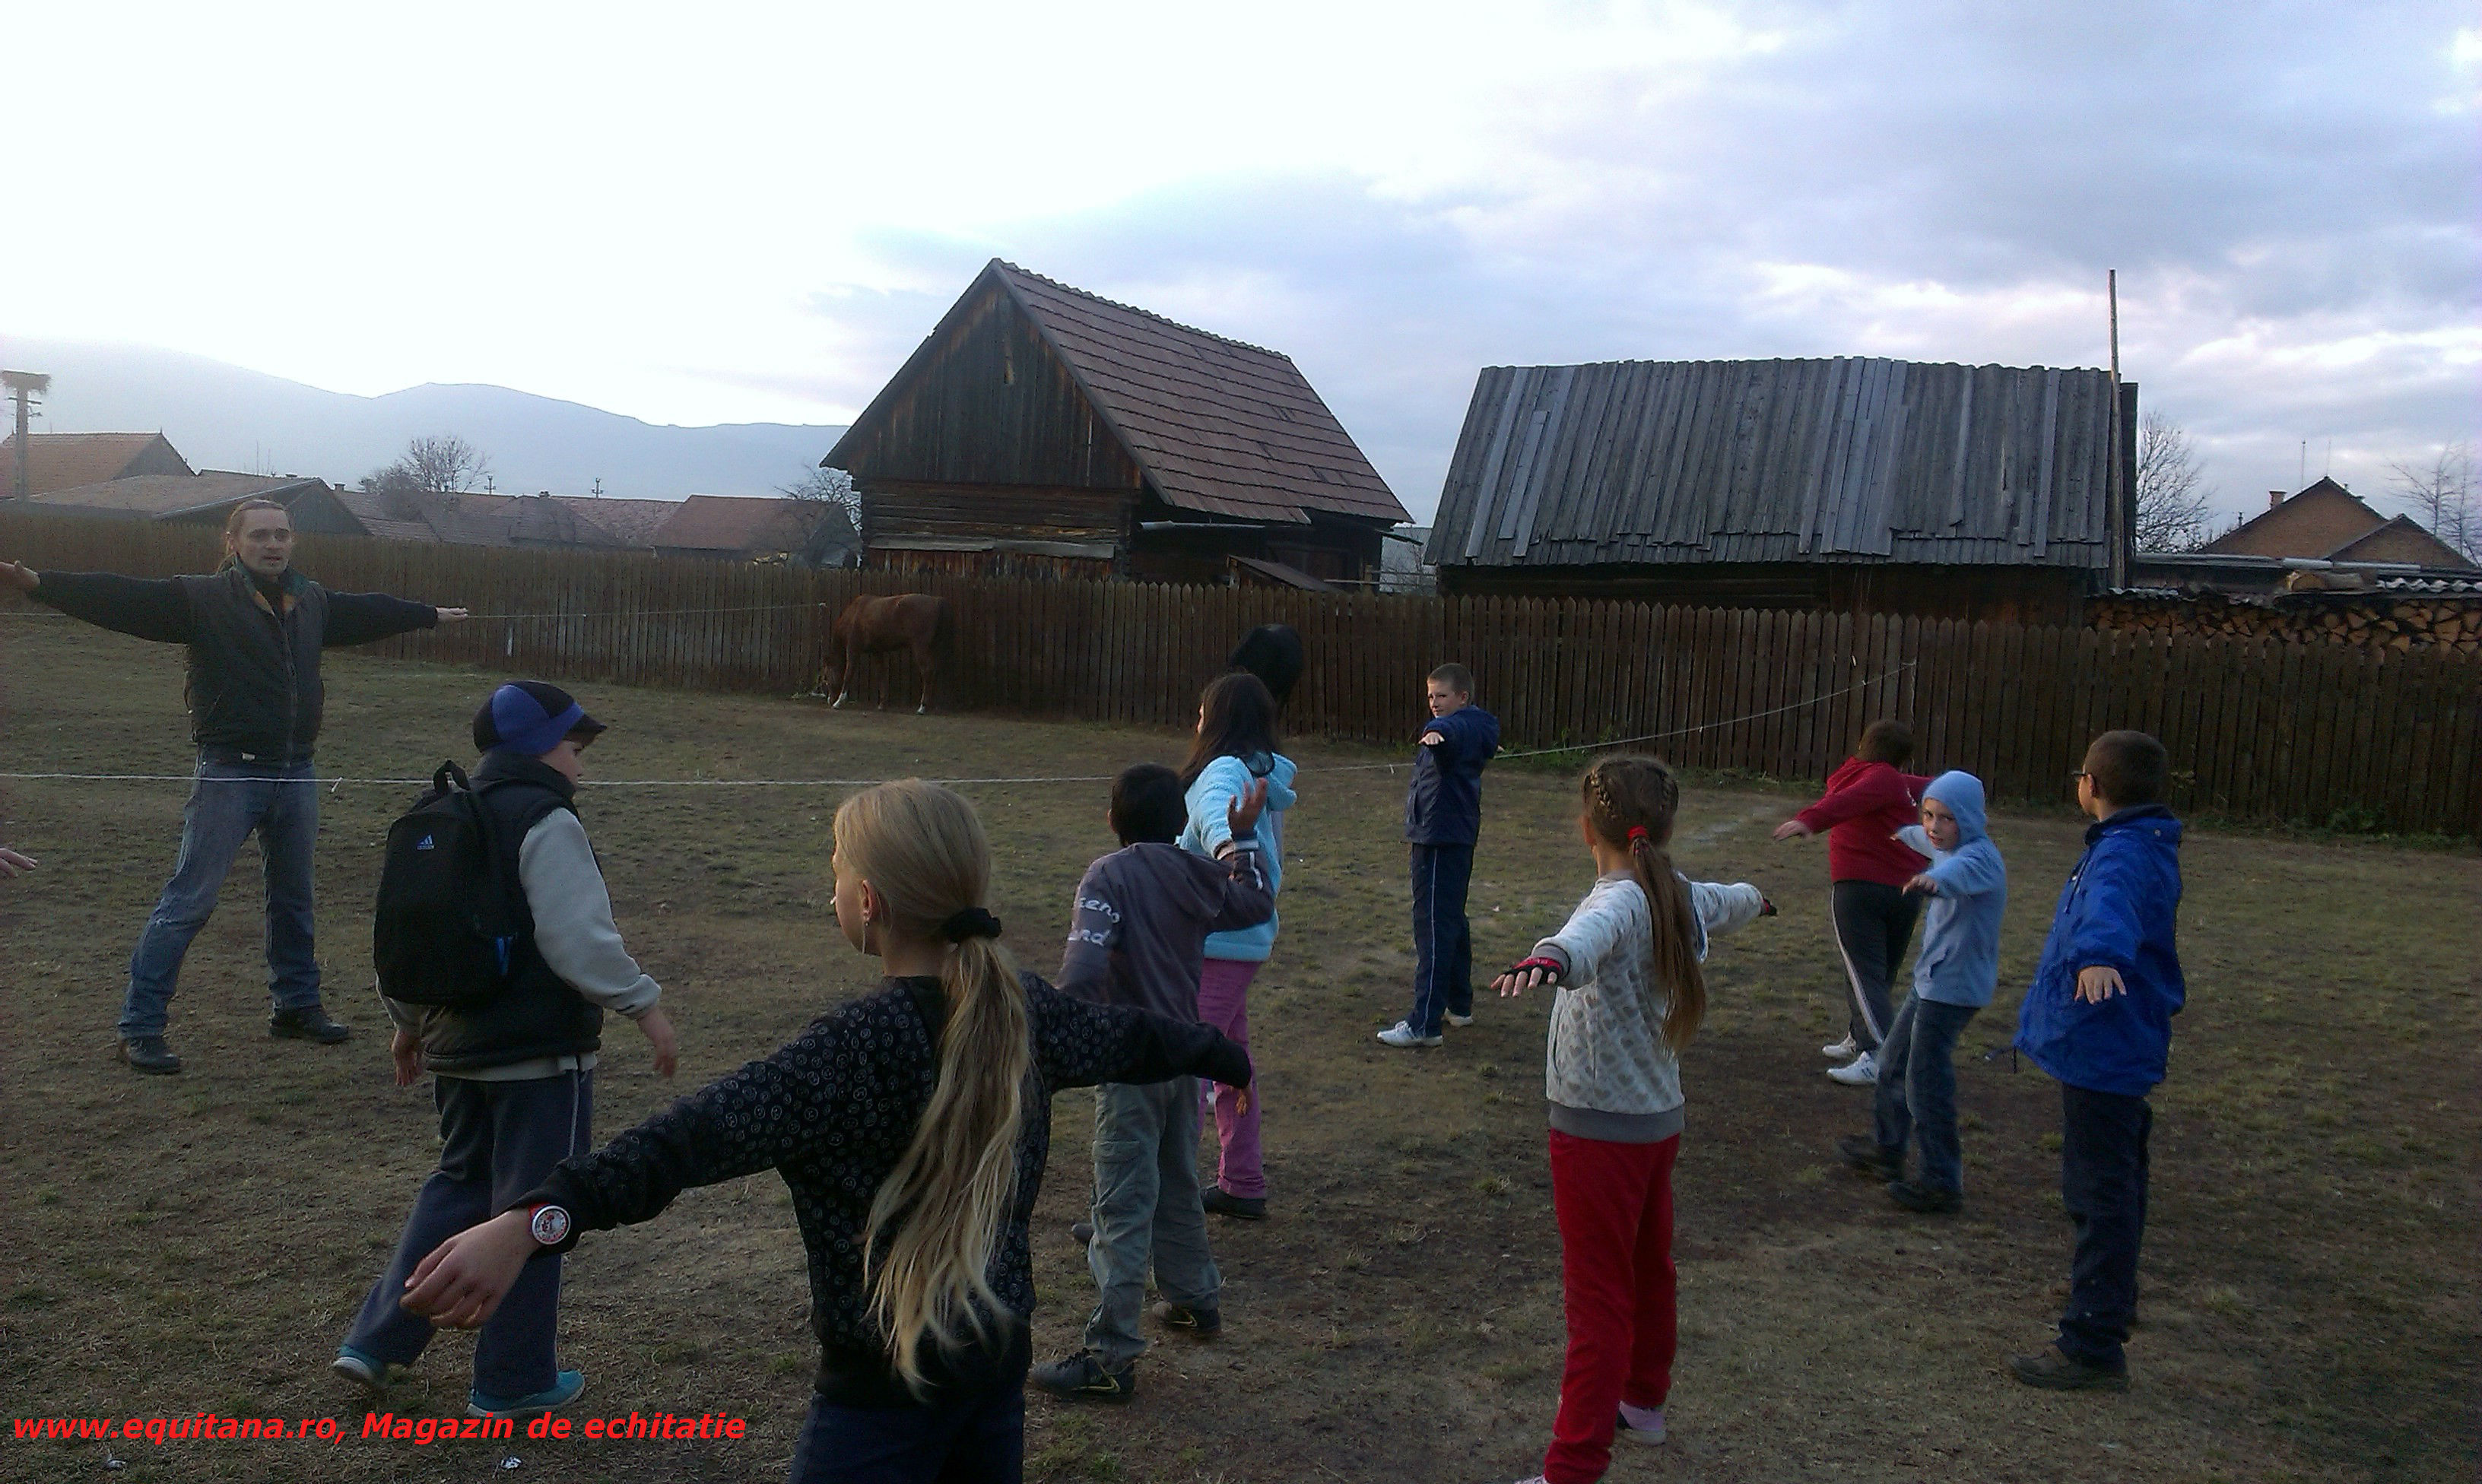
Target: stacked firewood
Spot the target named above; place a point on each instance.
(2450, 622)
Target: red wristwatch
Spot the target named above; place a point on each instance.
(549, 1224)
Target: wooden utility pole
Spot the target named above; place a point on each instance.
(2122, 525)
(24, 386)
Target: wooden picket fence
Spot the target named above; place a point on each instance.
(2258, 728)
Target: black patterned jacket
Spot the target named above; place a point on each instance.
(832, 1112)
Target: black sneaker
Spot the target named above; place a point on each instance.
(309, 1022)
(1240, 1208)
(1866, 1153)
(1083, 1231)
(2054, 1371)
(1082, 1377)
(1929, 1200)
(1203, 1323)
(149, 1053)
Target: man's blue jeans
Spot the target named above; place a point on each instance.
(1147, 1211)
(227, 802)
(1916, 1094)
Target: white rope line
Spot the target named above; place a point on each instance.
(864, 783)
(1681, 730)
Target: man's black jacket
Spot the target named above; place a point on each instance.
(253, 686)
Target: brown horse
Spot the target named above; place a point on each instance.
(874, 626)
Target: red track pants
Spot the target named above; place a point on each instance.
(1617, 1282)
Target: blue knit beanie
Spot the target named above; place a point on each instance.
(529, 717)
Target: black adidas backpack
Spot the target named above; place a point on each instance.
(448, 923)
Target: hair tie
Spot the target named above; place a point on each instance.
(969, 923)
(1637, 832)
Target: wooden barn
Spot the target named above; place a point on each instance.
(1040, 431)
(1850, 484)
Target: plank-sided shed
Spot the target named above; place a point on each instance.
(1845, 485)
(1040, 431)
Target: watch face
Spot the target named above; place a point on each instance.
(550, 1226)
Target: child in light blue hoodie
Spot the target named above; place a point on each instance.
(1955, 976)
(1233, 751)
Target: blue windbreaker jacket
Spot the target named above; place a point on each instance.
(2119, 909)
(1443, 803)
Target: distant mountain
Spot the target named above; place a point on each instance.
(225, 417)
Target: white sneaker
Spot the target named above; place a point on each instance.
(1402, 1036)
(1862, 1070)
(1640, 1424)
(1840, 1050)
(1454, 1018)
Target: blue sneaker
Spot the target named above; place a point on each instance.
(564, 1389)
(366, 1370)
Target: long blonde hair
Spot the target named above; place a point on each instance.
(938, 1215)
(1630, 802)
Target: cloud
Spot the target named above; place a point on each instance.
(760, 217)
(2287, 193)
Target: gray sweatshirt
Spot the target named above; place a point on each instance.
(575, 934)
(1608, 1074)
(1138, 935)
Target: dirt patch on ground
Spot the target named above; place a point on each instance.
(198, 1242)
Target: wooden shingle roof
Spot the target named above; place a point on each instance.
(1218, 424)
(1848, 460)
(1212, 425)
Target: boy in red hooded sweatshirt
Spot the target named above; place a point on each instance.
(1867, 801)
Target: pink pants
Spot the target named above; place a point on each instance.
(1614, 1202)
(1224, 1003)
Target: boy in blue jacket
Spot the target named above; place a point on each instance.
(1442, 818)
(2099, 1018)
(1967, 883)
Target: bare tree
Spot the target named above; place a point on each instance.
(834, 486)
(2173, 510)
(438, 464)
(2440, 494)
(445, 464)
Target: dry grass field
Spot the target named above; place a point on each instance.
(171, 1245)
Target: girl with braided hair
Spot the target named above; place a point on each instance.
(911, 1126)
(1632, 991)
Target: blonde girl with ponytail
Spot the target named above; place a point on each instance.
(911, 1127)
(1632, 989)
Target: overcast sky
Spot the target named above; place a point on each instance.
(742, 213)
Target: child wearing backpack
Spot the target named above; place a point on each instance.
(1631, 992)
(1138, 938)
(911, 1126)
(513, 1065)
(1953, 980)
